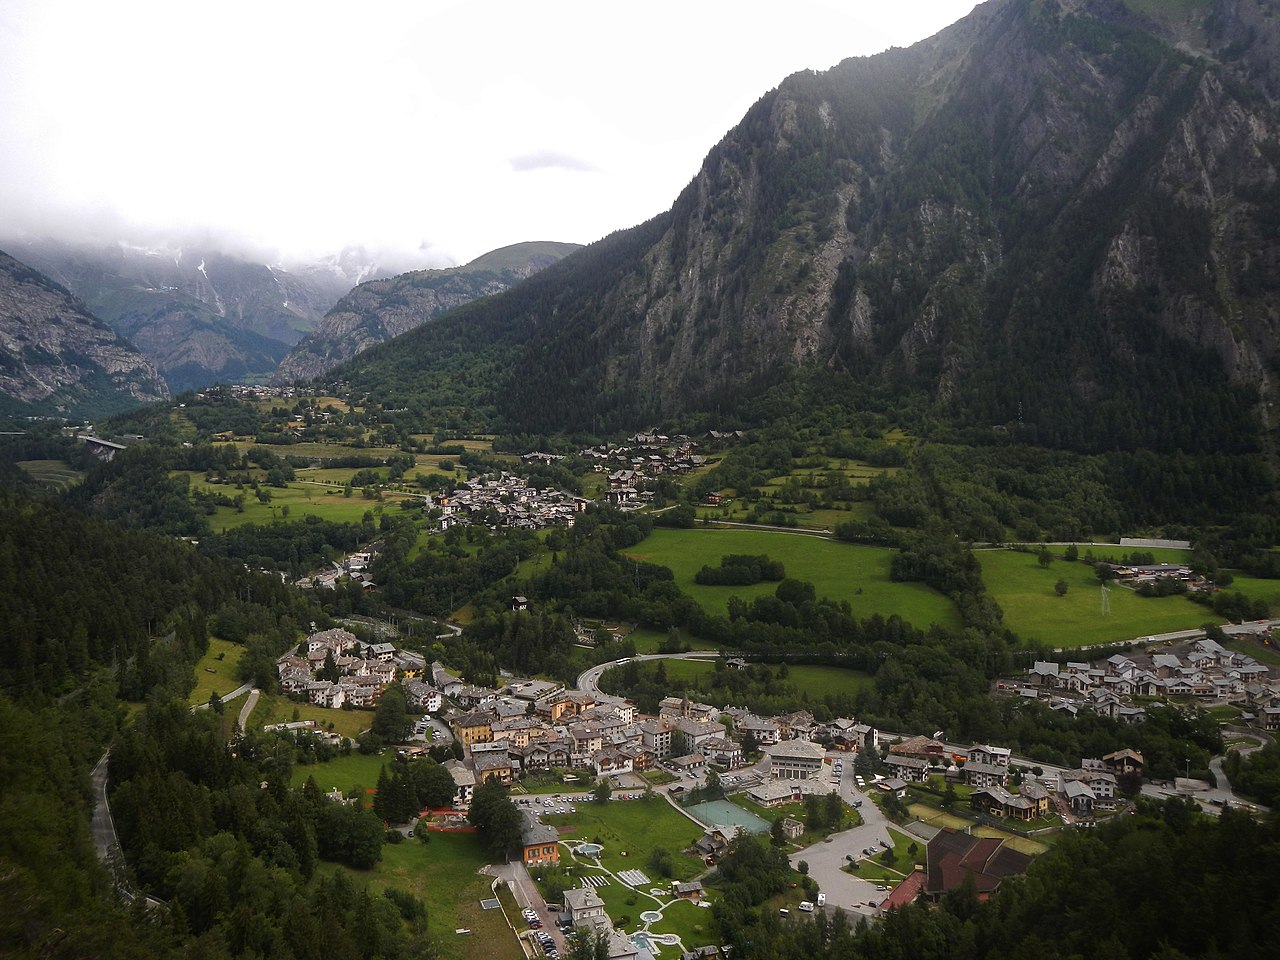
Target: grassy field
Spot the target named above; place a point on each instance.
(443, 875)
(343, 773)
(1257, 589)
(636, 828)
(817, 681)
(299, 499)
(216, 671)
(838, 571)
(349, 723)
(1025, 591)
(55, 474)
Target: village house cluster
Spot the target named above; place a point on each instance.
(1207, 671)
(363, 670)
(354, 568)
(1071, 793)
(644, 457)
(506, 500)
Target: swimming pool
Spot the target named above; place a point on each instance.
(722, 813)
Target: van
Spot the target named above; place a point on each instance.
(822, 899)
(806, 906)
(784, 912)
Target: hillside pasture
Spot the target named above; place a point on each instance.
(838, 571)
(216, 671)
(55, 474)
(278, 709)
(301, 497)
(1025, 592)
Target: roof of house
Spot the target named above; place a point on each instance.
(797, 748)
(953, 855)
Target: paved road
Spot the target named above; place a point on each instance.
(106, 843)
(247, 709)
(526, 894)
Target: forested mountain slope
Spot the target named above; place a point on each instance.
(1058, 218)
(379, 310)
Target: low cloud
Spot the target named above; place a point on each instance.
(550, 160)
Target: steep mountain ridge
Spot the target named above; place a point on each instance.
(1057, 217)
(377, 311)
(56, 358)
(201, 314)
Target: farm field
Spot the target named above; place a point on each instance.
(349, 723)
(302, 500)
(838, 571)
(55, 474)
(1025, 591)
(443, 874)
(216, 671)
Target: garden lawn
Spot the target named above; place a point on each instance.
(354, 770)
(216, 671)
(1025, 592)
(637, 827)
(443, 875)
(837, 570)
(691, 923)
(275, 709)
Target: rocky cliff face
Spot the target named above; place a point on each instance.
(56, 358)
(1053, 204)
(380, 310)
(201, 315)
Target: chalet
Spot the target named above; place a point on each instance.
(690, 890)
(723, 752)
(464, 781)
(995, 756)
(910, 769)
(951, 857)
(584, 906)
(919, 747)
(979, 774)
(492, 765)
(766, 732)
(611, 763)
(476, 727)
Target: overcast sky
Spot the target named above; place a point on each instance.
(444, 126)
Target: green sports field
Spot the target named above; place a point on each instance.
(838, 571)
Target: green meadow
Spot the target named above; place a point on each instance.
(817, 681)
(838, 571)
(1025, 592)
(216, 671)
(278, 709)
(443, 874)
(297, 500)
(343, 773)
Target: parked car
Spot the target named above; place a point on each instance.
(806, 906)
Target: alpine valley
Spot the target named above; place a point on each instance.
(874, 555)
